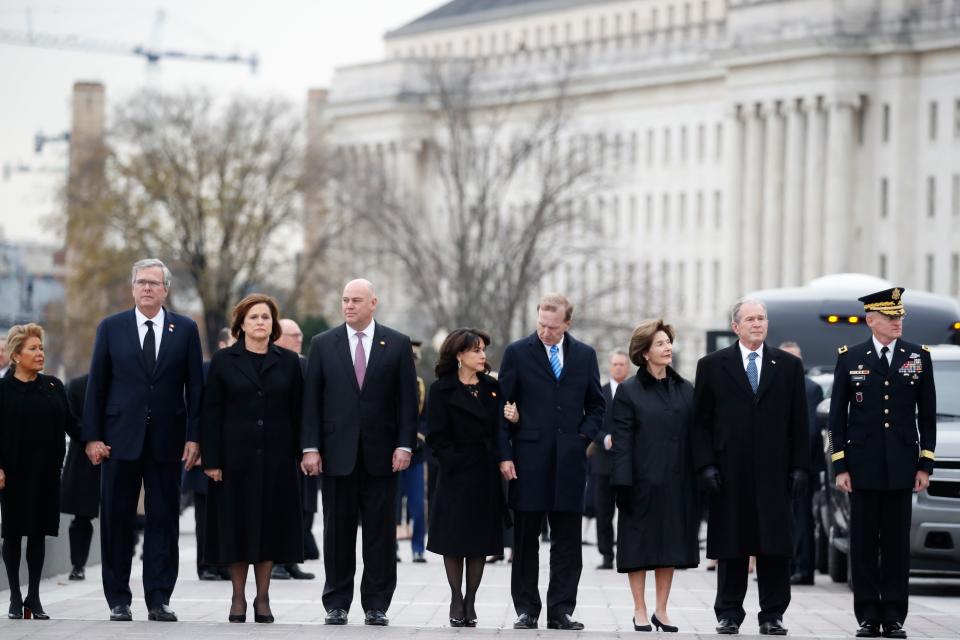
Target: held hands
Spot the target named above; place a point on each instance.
(3, 480)
(214, 474)
(311, 464)
(97, 451)
(507, 470)
(798, 483)
(843, 482)
(921, 482)
(401, 459)
(511, 413)
(191, 455)
(710, 480)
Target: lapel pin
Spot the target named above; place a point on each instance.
(859, 366)
(170, 327)
(493, 393)
(902, 350)
(382, 343)
(773, 362)
(869, 352)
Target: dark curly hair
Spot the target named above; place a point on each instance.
(457, 342)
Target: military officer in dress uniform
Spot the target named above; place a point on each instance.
(883, 431)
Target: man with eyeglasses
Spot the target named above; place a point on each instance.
(141, 422)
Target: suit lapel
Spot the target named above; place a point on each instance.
(733, 364)
(343, 348)
(540, 353)
(134, 329)
(567, 348)
(170, 326)
(272, 358)
(767, 371)
(378, 345)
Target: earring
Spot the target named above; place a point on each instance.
(459, 364)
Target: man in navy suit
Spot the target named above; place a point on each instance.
(554, 381)
(359, 428)
(141, 420)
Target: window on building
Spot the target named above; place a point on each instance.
(687, 14)
(882, 265)
(932, 121)
(567, 33)
(715, 286)
(931, 196)
(701, 142)
(718, 142)
(664, 285)
(884, 197)
(698, 286)
(955, 275)
(634, 23)
(699, 210)
(650, 148)
(633, 214)
(666, 145)
(955, 196)
(602, 28)
(633, 148)
(683, 144)
(929, 279)
(670, 16)
(704, 11)
(617, 151)
(615, 216)
(654, 19)
(586, 29)
(717, 210)
(956, 118)
(885, 123)
(681, 286)
(648, 213)
(665, 212)
(682, 206)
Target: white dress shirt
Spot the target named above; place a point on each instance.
(744, 356)
(559, 350)
(367, 341)
(608, 439)
(157, 327)
(879, 347)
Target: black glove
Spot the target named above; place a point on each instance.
(710, 480)
(623, 499)
(798, 483)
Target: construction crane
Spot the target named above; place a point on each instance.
(153, 53)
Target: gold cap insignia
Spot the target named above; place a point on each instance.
(895, 294)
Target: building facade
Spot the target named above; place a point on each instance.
(750, 143)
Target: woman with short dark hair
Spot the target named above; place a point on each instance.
(467, 513)
(250, 446)
(653, 473)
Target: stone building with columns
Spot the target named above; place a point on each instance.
(750, 143)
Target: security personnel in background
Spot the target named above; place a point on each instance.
(883, 431)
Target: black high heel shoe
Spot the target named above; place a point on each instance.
(238, 617)
(669, 628)
(33, 609)
(458, 622)
(641, 627)
(263, 618)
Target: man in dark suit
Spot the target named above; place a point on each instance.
(554, 381)
(601, 461)
(883, 428)
(141, 420)
(750, 447)
(359, 428)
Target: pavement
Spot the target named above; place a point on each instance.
(420, 606)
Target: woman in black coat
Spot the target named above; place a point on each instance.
(467, 513)
(653, 472)
(250, 426)
(34, 419)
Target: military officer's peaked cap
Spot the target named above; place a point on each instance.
(889, 302)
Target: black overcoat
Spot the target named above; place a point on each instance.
(601, 461)
(250, 430)
(558, 419)
(80, 484)
(34, 420)
(755, 440)
(651, 455)
(468, 510)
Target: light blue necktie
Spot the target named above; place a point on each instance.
(555, 361)
(752, 374)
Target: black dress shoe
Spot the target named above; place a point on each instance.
(77, 573)
(869, 630)
(163, 613)
(640, 627)
(33, 609)
(376, 617)
(237, 617)
(565, 622)
(458, 622)
(297, 574)
(121, 613)
(669, 628)
(279, 572)
(890, 629)
(336, 616)
(727, 627)
(16, 611)
(208, 574)
(800, 579)
(772, 628)
(606, 564)
(525, 621)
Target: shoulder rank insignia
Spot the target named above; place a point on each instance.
(925, 348)
(843, 349)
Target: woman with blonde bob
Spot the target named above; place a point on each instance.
(34, 417)
(653, 472)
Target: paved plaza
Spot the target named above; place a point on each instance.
(420, 606)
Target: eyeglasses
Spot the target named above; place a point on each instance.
(143, 284)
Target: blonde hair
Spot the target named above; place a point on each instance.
(557, 302)
(17, 336)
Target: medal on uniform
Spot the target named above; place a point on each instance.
(859, 396)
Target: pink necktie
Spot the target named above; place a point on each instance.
(360, 360)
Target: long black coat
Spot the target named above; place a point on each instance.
(338, 416)
(601, 461)
(558, 419)
(80, 485)
(468, 510)
(651, 455)
(755, 440)
(34, 420)
(250, 430)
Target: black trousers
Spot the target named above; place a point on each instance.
(310, 549)
(604, 505)
(773, 582)
(81, 534)
(566, 562)
(371, 499)
(803, 534)
(119, 494)
(880, 553)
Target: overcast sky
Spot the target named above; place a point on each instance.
(299, 43)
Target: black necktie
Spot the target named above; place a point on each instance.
(884, 363)
(150, 347)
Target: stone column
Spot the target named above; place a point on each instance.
(750, 253)
(791, 260)
(815, 162)
(771, 223)
(839, 188)
(733, 138)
